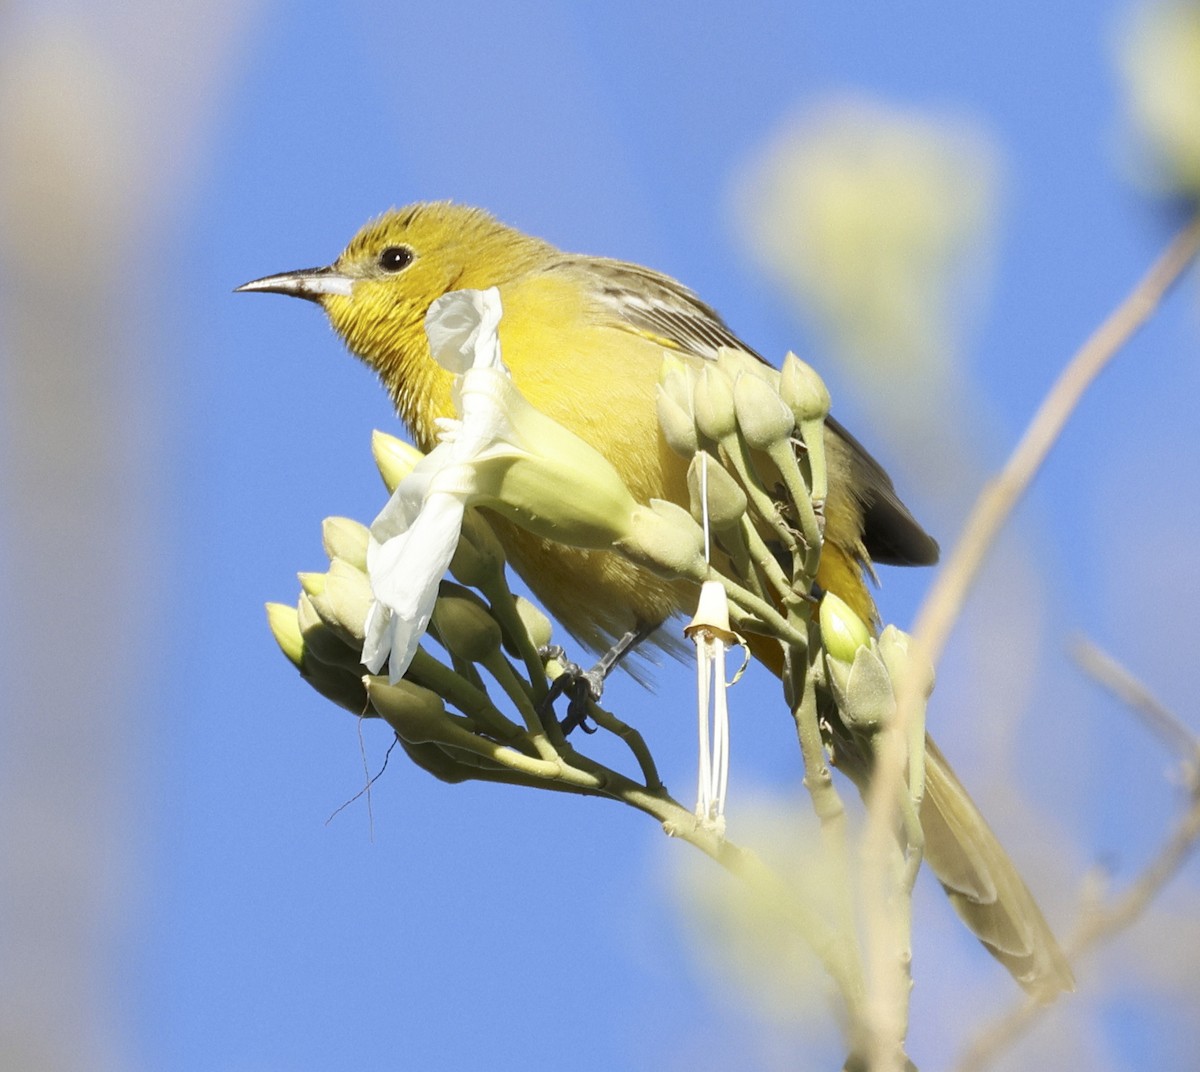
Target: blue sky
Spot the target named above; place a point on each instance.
(480, 927)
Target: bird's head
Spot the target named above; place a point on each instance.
(376, 294)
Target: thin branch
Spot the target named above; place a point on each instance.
(1159, 719)
(1101, 924)
(943, 604)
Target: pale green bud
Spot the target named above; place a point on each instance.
(312, 583)
(726, 501)
(896, 651)
(416, 714)
(537, 625)
(394, 458)
(842, 631)
(763, 417)
(478, 557)
(803, 390)
(344, 687)
(546, 479)
(713, 403)
(284, 626)
(666, 538)
(320, 641)
(343, 602)
(347, 540)
(733, 362)
(674, 399)
(464, 625)
(863, 688)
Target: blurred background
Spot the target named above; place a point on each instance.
(933, 203)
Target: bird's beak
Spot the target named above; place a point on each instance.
(311, 283)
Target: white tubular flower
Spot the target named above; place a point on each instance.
(710, 632)
(501, 453)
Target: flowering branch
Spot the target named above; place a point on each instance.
(751, 538)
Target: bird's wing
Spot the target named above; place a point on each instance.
(657, 307)
(660, 308)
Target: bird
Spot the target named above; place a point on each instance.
(584, 338)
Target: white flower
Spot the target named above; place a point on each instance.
(501, 453)
(710, 632)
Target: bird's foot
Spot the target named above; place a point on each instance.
(583, 687)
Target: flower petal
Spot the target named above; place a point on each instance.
(405, 572)
(462, 329)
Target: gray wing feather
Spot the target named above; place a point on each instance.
(654, 304)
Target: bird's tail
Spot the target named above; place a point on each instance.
(984, 886)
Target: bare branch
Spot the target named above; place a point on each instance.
(1158, 718)
(1102, 923)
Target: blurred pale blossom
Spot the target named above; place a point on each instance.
(877, 223)
(748, 947)
(1159, 56)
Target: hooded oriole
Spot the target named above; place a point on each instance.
(583, 338)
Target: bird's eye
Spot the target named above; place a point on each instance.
(395, 258)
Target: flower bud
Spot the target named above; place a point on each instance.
(463, 624)
(665, 538)
(896, 652)
(763, 417)
(725, 499)
(842, 631)
(864, 689)
(713, 403)
(394, 458)
(346, 539)
(344, 687)
(537, 625)
(320, 641)
(415, 713)
(803, 390)
(478, 557)
(526, 479)
(286, 629)
(675, 410)
(344, 601)
(312, 583)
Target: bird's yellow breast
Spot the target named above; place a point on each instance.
(592, 376)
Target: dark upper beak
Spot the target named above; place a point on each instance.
(311, 283)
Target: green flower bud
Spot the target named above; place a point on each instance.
(343, 687)
(347, 540)
(464, 625)
(803, 390)
(394, 458)
(675, 410)
(438, 762)
(415, 713)
(478, 557)
(713, 403)
(524, 474)
(284, 626)
(537, 625)
(863, 689)
(321, 642)
(901, 661)
(843, 632)
(343, 602)
(312, 583)
(726, 501)
(665, 538)
(763, 417)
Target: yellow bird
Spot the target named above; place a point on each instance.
(583, 338)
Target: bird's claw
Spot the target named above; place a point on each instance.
(581, 687)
